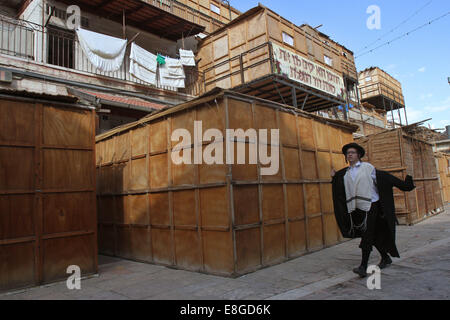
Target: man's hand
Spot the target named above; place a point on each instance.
(333, 172)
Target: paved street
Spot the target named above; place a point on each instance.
(423, 272)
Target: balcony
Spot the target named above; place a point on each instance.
(382, 96)
(60, 49)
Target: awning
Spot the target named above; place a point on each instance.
(116, 100)
(141, 15)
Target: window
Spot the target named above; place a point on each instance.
(288, 39)
(215, 8)
(368, 79)
(60, 47)
(344, 54)
(328, 60)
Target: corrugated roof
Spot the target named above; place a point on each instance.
(151, 106)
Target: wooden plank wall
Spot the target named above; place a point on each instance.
(402, 155)
(47, 193)
(254, 31)
(219, 219)
(444, 175)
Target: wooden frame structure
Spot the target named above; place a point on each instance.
(221, 219)
(443, 163)
(47, 191)
(401, 155)
(240, 55)
(380, 89)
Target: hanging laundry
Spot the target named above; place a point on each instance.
(175, 67)
(161, 60)
(143, 64)
(172, 74)
(187, 57)
(104, 52)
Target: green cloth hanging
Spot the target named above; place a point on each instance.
(161, 60)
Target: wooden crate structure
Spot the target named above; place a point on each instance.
(375, 83)
(220, 219)
(47, 192)
(241, 55)
(443, 163)
(402, 155)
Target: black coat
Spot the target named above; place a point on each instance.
(385, 184)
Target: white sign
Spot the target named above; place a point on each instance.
(302, 70)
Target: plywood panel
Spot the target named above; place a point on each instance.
(218, 252)
(306, 133)
(330, 229)
(16, 168)
(66, 127)
(159, 208)
(315, 233)
(158, 136)
(16, 216)
(309, 165)
(256, 26)
(326, 197)
(246, 207)
(292, 163)
(139, 174)
(162, 246)
(106, 239)
(159, 171)
(273, 202)
(139, 141)
(312, 199)
(214, 209)
(68, 212)
(221, 47)
(297, 237)
(184, 174)
(288, 129)
(324, 161)
(17, 266)
(295, 201)
(248, 248)
(184, 208)
(60, 253)
(17, 122)
(67, 169)
(274, 243)
(134, 243)
(187, 248)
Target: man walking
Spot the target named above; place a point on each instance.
(364, 206)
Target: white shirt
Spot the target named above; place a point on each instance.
(354, 172)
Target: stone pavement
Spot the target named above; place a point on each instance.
(423, 272)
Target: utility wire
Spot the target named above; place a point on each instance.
(404, 35)
(395, 28)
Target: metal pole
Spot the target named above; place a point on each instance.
(406, 116)
(294, 98)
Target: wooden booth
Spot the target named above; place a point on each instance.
(443, 162)
(262, 54)
(224, 219)
(400, 154)
(47, 191)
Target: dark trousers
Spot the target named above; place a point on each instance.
(377, 231)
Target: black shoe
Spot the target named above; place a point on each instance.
(385, 262)
(361, 271)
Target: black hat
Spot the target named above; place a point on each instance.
(356, 146)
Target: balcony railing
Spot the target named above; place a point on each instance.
(380, 89)
(59, 47)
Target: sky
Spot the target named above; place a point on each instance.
(420, 60)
